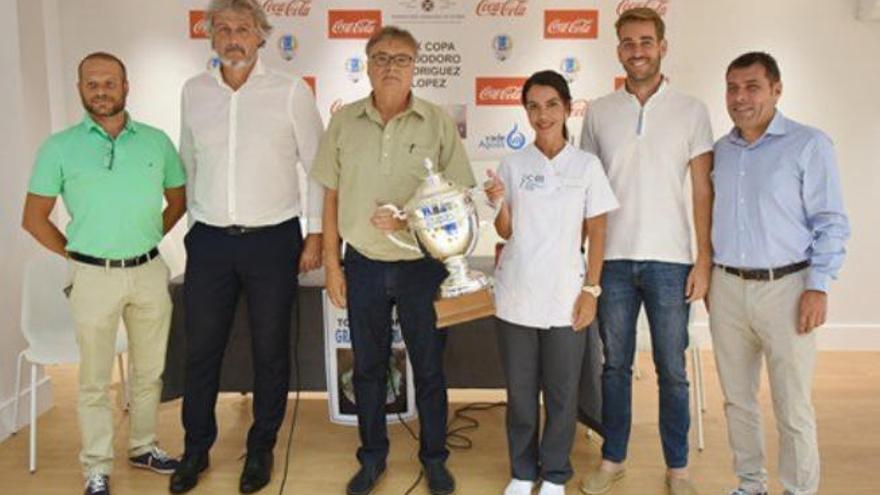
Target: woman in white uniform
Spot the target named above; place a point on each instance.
(552, 196)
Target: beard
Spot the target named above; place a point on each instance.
(235, 64)
(643, 73)
(230, 63)
(115, 108)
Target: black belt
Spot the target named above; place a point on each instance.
(240, 230)
(126, 263)
(765, 274)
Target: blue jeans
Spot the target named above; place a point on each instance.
(661, 287)
(374, 287)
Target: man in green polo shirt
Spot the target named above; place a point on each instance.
(112, 173)
(372, 154)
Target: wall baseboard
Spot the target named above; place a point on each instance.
(44, 403)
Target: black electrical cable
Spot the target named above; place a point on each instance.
(462, 442)
(296, 397)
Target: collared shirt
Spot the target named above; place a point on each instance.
(371, 163)
(541, 270)
(645, 150)
(778, 201)
(112, 188)
(241, 149)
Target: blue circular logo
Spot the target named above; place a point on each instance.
(516, 139)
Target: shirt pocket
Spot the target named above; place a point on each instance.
(411, 159)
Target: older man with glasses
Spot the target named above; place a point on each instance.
(372, 154)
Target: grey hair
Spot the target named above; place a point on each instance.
(393, 32)
(249, 6)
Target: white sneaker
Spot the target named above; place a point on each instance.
(548, 488)
(519, 487)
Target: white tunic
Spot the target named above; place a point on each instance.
(645, 151)
(541, 269)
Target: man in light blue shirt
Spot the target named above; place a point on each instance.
(778, 232)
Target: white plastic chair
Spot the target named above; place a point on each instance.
(47, 325)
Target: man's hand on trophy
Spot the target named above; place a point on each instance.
(584, 311)
(386, 219)
(494, 188)
(336, 288)
(310, 259)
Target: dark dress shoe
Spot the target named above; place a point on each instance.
(365, 480)
(440, 480)
(256, 473)
(186, 476)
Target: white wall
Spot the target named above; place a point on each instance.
(831, 75)
(24, 124)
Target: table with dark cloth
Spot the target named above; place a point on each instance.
(471, 361)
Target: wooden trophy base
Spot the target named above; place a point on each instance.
(454, 310)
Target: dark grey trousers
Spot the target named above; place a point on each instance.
(544, 361)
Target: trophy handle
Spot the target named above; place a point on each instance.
(400, 215)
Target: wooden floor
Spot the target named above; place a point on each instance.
(847, 398)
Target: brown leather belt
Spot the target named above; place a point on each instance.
(765, 274)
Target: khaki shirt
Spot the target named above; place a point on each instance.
(370, 163)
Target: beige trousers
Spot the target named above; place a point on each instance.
(100, 296)
(752, 322)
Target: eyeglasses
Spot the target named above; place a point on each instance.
(111, 154)
(401, 60)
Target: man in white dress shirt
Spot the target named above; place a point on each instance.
(244, 128)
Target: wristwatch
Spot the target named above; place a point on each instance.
(593, 290)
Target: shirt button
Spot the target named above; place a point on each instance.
(742, 173)
(385, 155)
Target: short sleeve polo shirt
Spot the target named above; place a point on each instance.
(112, 188)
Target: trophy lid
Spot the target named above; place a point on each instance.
(432, 186)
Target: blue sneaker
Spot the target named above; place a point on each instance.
(156, 460)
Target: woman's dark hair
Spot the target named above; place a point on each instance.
(555, 81)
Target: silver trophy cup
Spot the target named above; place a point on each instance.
(443, 219)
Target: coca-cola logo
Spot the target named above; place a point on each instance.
(571, 24)
(287, 8)
(661, 6)
(499, 90)
(198, 24)
(502, 8)
(355, 24)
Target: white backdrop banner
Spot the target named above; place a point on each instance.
(474, 55)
